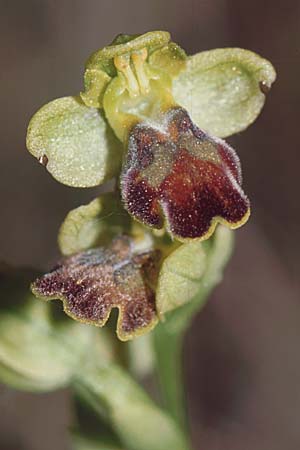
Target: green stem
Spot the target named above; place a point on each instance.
(138, 422)
(168, 335)
(168, 350)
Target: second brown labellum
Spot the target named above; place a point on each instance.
(93, 282)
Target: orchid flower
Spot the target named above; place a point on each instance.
(154, 119)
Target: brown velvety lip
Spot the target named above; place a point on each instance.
(178, 175)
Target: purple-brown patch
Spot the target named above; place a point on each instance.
(177, 173)
(91, 283)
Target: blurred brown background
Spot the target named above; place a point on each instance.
(242, 353)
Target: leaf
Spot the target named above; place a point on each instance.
(74, 142)
(93, 225)
(223, 89)
(40, 347)
(138, 422)
(91, 283)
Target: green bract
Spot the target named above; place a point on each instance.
(180, 276)
(190, 269)
(179, 309)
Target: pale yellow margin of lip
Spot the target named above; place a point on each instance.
(139, 332)
(120, 333)
(215, 221)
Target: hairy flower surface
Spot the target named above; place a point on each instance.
(151, 118)
(91, 283)
(178, 171)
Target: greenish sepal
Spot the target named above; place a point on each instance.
(224, 89)
(93, 225)
(74, 142)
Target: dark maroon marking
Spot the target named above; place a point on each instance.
(138, 314)
(192, 201)
(195, 191)
(142, 201)
(93, 282)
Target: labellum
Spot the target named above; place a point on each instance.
(91, 283)
(178, 176)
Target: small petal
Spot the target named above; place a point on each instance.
(176, 170)
(95, 83)
(74, 142)
(171, 58)
(90, 284)
(224, 89)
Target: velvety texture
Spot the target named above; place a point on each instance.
(91, 283)
(178, 173)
